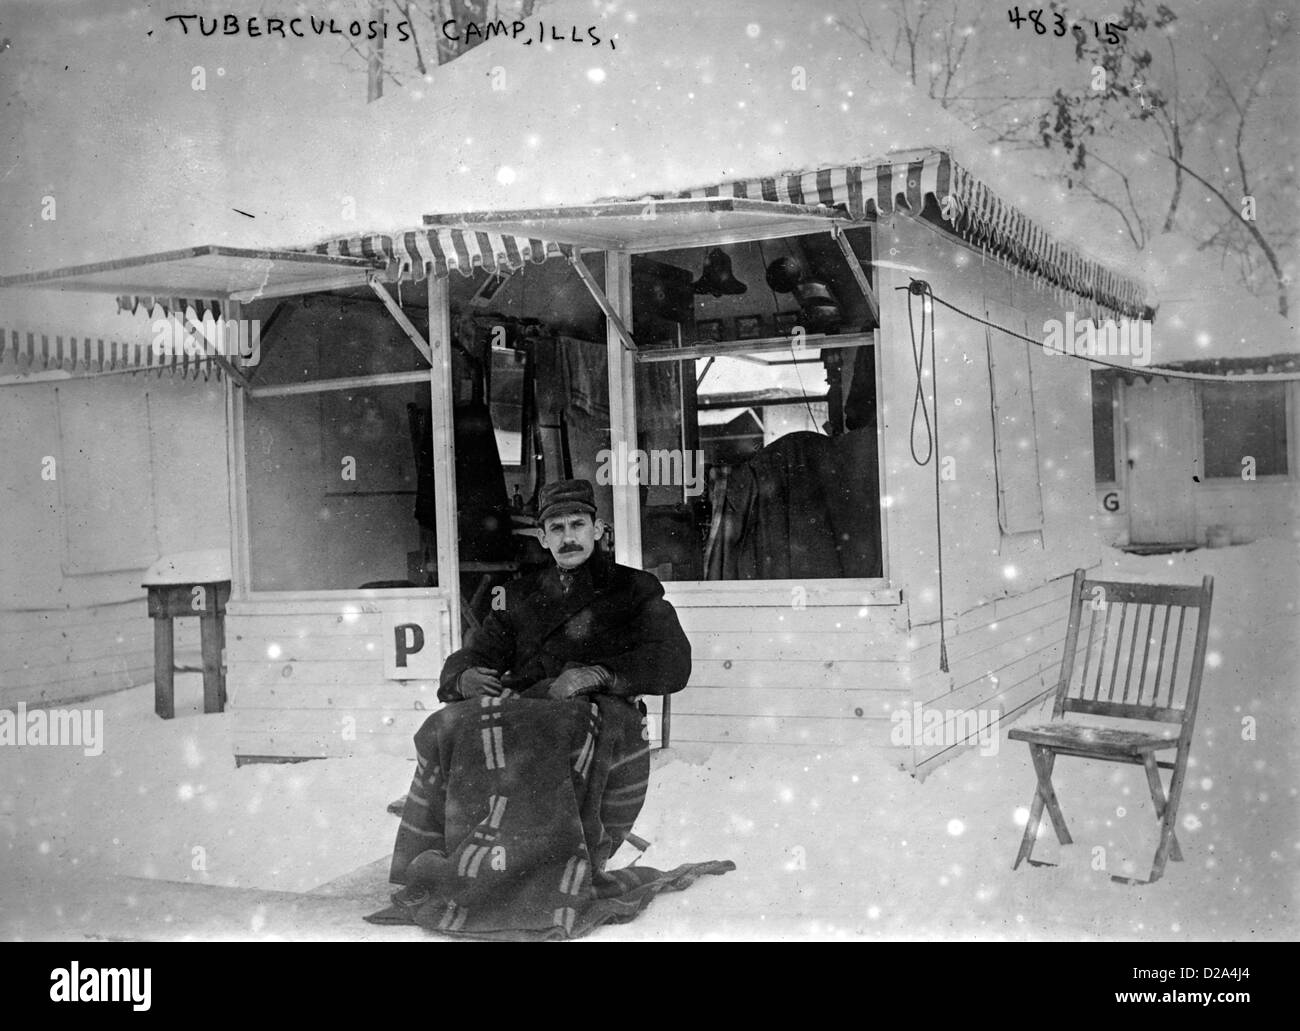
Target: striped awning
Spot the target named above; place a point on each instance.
(960, 202)
(929, 184)
(180, 306)
(202, 278)
(432, 251)
(963, 204)
(23, 353)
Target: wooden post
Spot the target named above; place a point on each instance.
(237, 478)
(442, 430)
(622, 407)
(164, 664)
(882, 480)
(622, 426)
(212, 640)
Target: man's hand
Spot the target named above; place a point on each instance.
(579, 680)
(478, 681)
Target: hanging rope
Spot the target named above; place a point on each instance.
(1211, 377)
(919, 404)
(920, 288)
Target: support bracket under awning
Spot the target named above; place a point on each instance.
(399, 316)
(647, 225)
(598, 295)
(855, 266)
(228, 367)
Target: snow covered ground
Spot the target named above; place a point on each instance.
(828, 844)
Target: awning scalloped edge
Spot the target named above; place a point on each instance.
(965, 205)
(417, 253)
(23, 353)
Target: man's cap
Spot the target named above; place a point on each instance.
(565, 496)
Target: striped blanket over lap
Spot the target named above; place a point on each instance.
(516, 807)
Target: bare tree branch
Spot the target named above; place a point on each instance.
(1243, 107)
(405, 8)
(1140, 238)
(1139, 241)
(1260, 240)
(366, 57)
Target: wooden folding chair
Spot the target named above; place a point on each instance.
(1117, 706)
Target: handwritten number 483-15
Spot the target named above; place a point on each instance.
(1059, 26)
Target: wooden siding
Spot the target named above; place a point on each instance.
(820, 675)
(64, 655)
(1264, 508)
(75, 629)
(980, 561)
(1004, 592)
(305, 678)
(1002, 657)
(324, 694)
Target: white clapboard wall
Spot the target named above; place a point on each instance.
(309, 677)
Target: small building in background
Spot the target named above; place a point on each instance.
(1200, 445)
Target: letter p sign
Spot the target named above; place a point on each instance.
(412, 645)
(408, 639)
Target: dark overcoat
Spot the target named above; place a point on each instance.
(612, 616)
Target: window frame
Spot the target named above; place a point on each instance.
(1289, 426)
(860, 591)
(1117, 437)
(855, 591)
(238, 398)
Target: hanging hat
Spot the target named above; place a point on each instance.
(784, 274)
(821, 311)
(717, 278)
(565, 496)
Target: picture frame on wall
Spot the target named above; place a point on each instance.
(749, 327)
(785, 321)
(708, 331)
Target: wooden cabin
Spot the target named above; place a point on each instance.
(888, 451)
(1195, 424)
(1186, 462)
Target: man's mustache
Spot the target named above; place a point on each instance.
(569, 548)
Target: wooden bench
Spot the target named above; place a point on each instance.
(167, 602)
(1152, 712)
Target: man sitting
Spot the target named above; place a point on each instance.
(527, 783)
(582, 626)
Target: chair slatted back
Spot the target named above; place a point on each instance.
(1135, 650)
